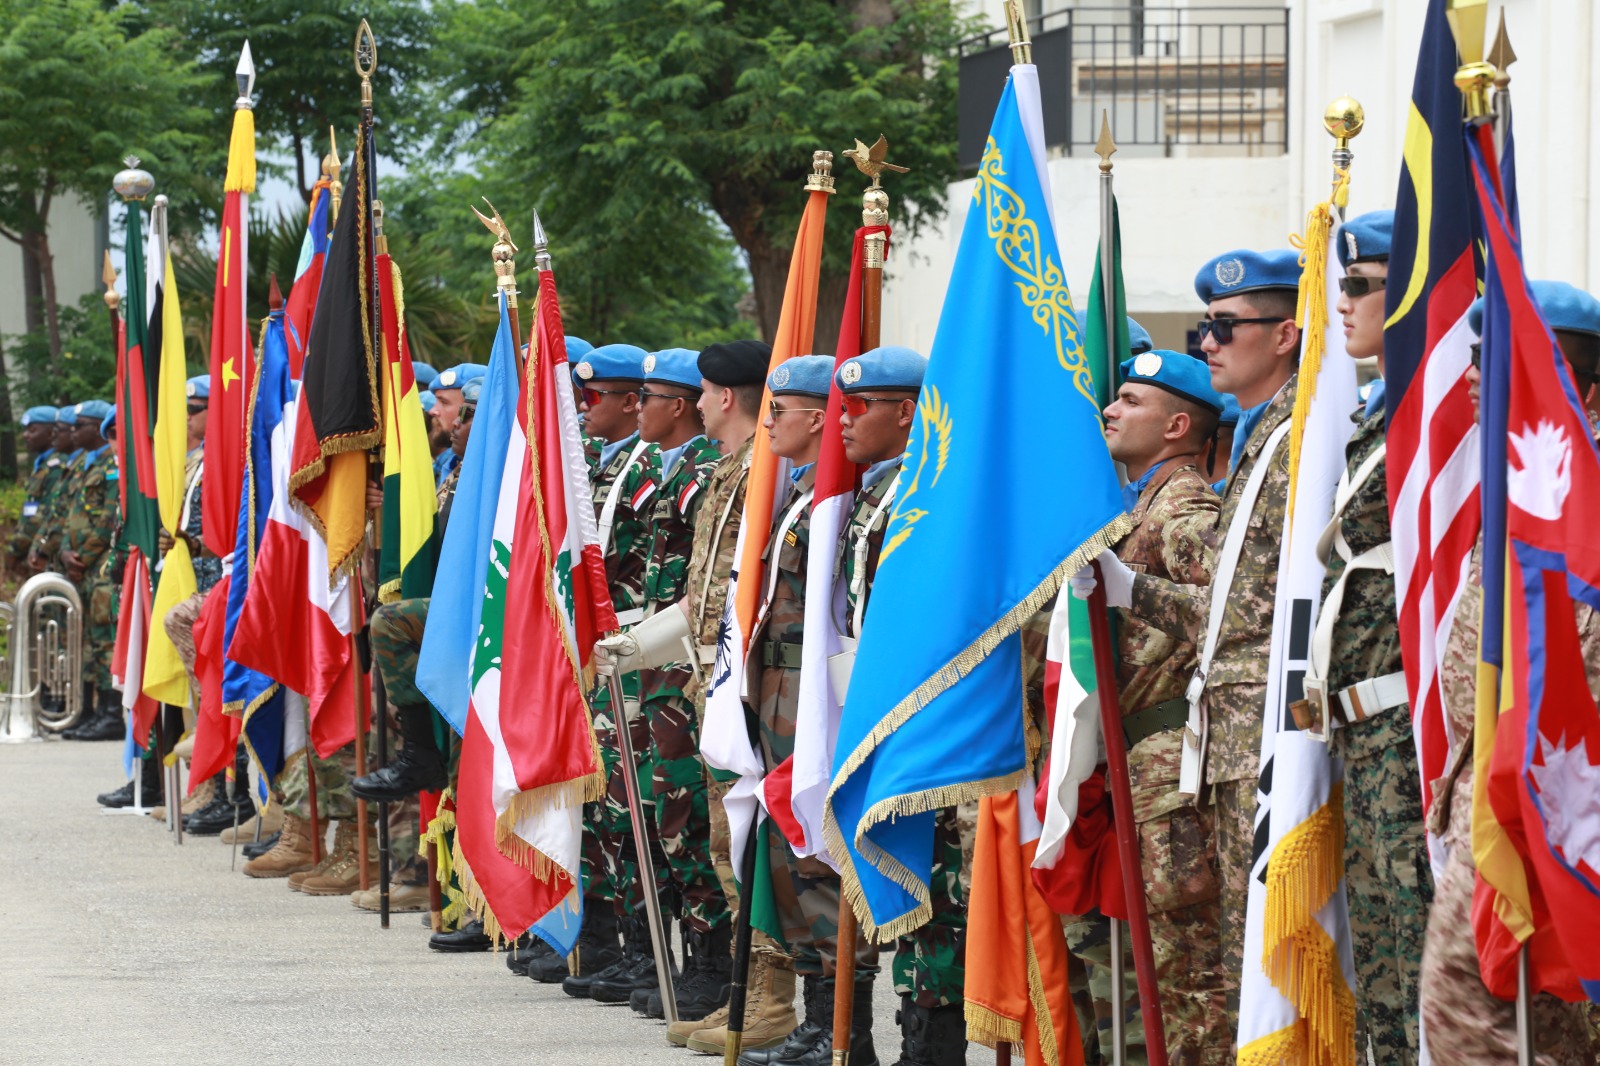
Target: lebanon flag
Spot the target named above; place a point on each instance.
(725, 737)
(294, 627)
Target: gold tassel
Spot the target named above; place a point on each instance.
(242, 153)
(1313, 317)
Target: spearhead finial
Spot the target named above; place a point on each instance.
(330, 170)
(872, 161)
(108, 275)
(1017, 31)
(541, 244)
(821, 177)
(132, 183)
(504, 252)
(1468, 19)
(274, 294)
(1501, 55)
(1105, 147)
(245, 75)
(366, 54)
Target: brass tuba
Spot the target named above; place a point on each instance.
(44, 653)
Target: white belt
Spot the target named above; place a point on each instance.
(1364, 699)
(630, 617)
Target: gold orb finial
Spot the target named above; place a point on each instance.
(1343, 119)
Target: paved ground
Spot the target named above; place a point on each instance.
(124, 949)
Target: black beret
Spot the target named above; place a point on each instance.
(736, 363)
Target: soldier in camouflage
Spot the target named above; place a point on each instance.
(58, 492)
(38, 436)
(88, 524)
(1159, 427)
(1252, 346)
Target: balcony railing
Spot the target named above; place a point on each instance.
(1212, 80)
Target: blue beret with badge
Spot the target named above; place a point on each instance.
(577, 348)
(802, 375)
(92, 409)
(888, 367)
(198, 387)
(429, 401)
(1365, 238)
(609, 362)
(1231, 412)
(1565, 307)
(67, 414)
(471, 389)
(35, 416)
(1138, 338)
(673, 366)
(458, 376)
(1177, 373)
(1238, 272)
(108, 424)
(424, 374)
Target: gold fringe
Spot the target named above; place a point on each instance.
(949, 795)
(1312, 317)
(249, 462)
(988, 1027)
(1298, 955)
(444, 821)
(241, 175)
(1286, 1047)
(389, 591)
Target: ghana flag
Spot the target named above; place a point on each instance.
(410, 543)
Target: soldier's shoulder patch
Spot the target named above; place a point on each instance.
(791, 538)
(113, 474)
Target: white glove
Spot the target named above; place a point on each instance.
(656, 641)
(1118, 579)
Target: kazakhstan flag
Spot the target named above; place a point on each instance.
(1006, 490)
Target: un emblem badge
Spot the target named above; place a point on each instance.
(780, 378)
(850, 373)
(649, 364)
(1147, 365)
(584, 370)
(1230, 272)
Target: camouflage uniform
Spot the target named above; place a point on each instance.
(1466, 1025)
(53, 508)
(609, 827)
(805, 890)
(42, 479)
(929, 962)
(1387, 879)
(677, 772)
(396, 635)
(1235, 690)
(1174, 538)
(334, 798)
(87, 529)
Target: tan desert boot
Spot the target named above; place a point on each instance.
(344, 845)
(403, 899)
(769, 1015)
(343, 876)
(271, 822)
(290, 855)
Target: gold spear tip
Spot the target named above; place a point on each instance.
(330, 162)
(1501, 54)
(1343, 119)
(366, 51)
(274, 294)
(1105, 147)
(872, 161)
(108, 275)
(1474, 76)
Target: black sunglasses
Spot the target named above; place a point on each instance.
(1222, 328)
(1359, 285)
(646, 394)
(1477, 355)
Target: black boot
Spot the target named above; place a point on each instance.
(931, 1036)
(526, 948)
(816, 996)
(616, 984)
(102, 718)
(470, 937)
(257, 848)
(597, 949)
(418, 766)
(149, 788)
(708, 977)
(820, 1053)
(224, 811)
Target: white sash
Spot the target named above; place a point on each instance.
(608, 513)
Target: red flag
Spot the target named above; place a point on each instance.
(232, 366)
(216, 735)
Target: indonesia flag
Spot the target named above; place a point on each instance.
(294, 626)
(308, 276)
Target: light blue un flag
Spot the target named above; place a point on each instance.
(1007, 489)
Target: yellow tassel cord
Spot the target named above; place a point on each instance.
(472, 896)
(455, 903)
(242, 153)
(949, 795)
(1286, 1047)
(1298, 955)
(1313, 315)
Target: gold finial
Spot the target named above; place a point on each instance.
(503, 253)
(1474, 76)
(132, 183)
(108, 275)
(1501, 55)
(821, 177)
(1105, 147)
(871, 161)
(330, 170)
(1343, 119)
(1017, 30)
(366, 53)
(380, 240)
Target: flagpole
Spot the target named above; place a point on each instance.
(505, 268)
(1501, 56)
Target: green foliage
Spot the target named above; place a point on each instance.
(80, 87)
(87, 369)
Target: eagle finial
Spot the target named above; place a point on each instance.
(871, 161)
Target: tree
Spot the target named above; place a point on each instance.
(305, 74)
(78, 92)
(600, 107)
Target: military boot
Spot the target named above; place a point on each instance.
(469, 937)
(820, 1053)
(256, 849)
(707, 978)
(930, 1036)
(344, 844)
(817, 1026)
(290, 855)
(270, 822)
(768, 1010)
(418, 766)
(403, 899)
(524, 950)
(342, 876)
(225, 811)
(102, 719)
(149, 788)
(616, 984)
(596, 949)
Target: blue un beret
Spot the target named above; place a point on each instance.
(429, 401)
(609, 362)
(1365, 237)
(67, 414)
(889, 367)
(471, 389)
(1564, 307)
(673, 366)
(802, 375)
(1177, 373)
(1230, 411)
(95, 409)
(109, 422)
(1138, 338)
(458, 375)
(34, 416)
(198, 387)
(577, 348)
(424, 374)
(1242, 271)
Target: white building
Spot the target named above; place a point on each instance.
(77, 242)
(1217, 110)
